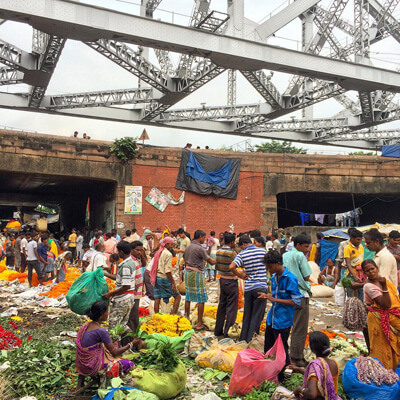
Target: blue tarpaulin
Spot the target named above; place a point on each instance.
(337, 233)
(329, 249)
(205, 174)
(391, 151)
(196, 171)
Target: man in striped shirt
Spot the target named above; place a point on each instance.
(122, 298)
(251, 260)
(229, 289)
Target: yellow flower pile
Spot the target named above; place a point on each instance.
(211, 312)
(72, 275)
(13, 225)
(167, 324)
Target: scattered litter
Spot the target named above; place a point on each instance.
(10, 312)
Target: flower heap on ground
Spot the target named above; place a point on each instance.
(211, 312)
(167, 324)
(7, 339)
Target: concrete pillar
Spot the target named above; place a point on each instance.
(269, 214)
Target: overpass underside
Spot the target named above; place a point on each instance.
(68, 195)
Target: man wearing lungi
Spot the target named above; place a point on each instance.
(195, 257)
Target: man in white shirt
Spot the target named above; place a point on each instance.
(24, 244)
(128, 236)
(269, 245)
(87, 256)
(33, 259)
(383, 258)
(99, 260)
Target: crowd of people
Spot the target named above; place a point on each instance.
(274, 268)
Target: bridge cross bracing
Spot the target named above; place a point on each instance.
(215, 42)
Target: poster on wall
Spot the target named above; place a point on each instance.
(133, 200)
(157, 199)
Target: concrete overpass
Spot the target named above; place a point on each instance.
(273, 188)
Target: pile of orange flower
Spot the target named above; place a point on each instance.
(8, 275)
(72, 274)
(58, 290)
(330, 334)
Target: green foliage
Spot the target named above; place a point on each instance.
(162, 358)
(124, 148)
(116, 332)
(276, 146)
(346, 282)
(361, 153)
(40, 369)
(341, 393)
(294, 380)
(45, 209)
(263, 392)
(224, 148)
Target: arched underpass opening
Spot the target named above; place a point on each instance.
(66, 194)
(384, 208)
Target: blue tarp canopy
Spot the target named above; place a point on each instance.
(391, 151)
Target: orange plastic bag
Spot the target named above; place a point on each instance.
(252, 368)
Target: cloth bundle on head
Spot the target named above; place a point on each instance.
(153, 272)
(146, 232)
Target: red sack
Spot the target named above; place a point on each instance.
(251, 368)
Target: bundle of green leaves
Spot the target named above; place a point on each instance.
(40, 369)
(162, 358)
(263, 392)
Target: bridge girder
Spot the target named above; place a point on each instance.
(207, 52)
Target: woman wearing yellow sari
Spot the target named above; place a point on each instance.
(383, 303)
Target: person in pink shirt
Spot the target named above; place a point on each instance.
(110, 245)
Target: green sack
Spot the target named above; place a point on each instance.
(177, 343)
(163, 384)
(86, 290)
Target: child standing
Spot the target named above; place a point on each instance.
(285, 296)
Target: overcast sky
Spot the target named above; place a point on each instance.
(82, 69)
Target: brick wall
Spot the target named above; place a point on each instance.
(198, 211)
(262, 177)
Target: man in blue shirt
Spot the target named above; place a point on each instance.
(295, 261)
(251, 259)
(285, 296)
(42, 253)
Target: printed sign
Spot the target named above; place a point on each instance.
(157, 199)
(133, 200)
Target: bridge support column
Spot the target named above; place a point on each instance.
(269, 214)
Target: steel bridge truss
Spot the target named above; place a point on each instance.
(213, 44)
